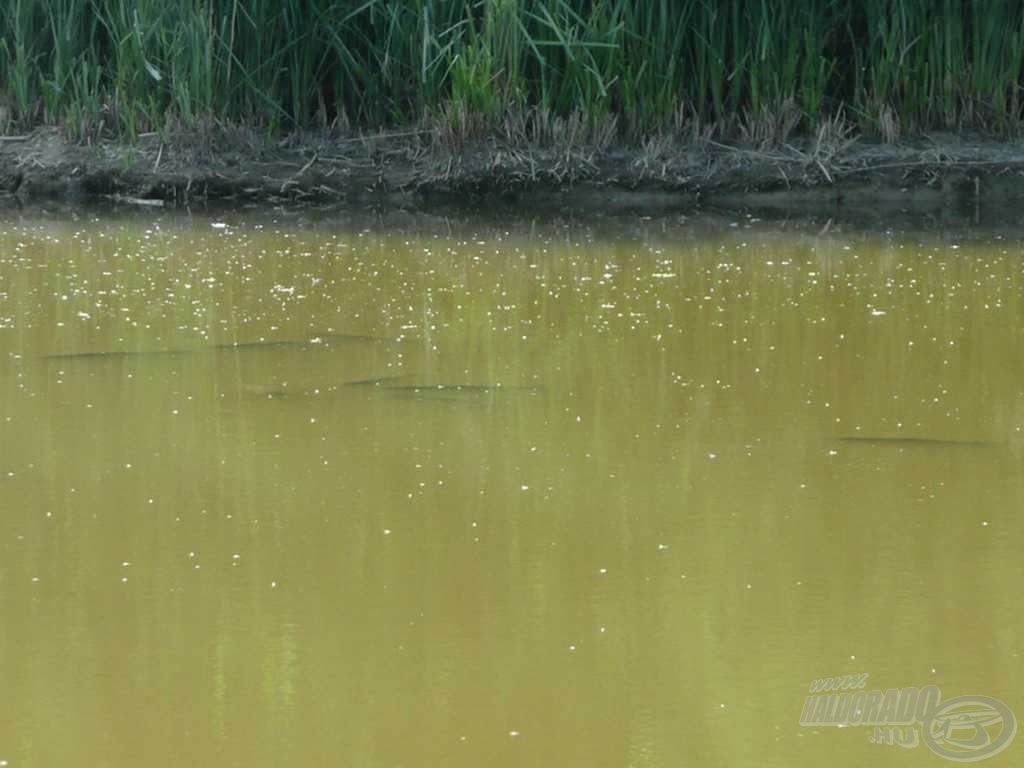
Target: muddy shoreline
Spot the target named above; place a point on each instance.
(973, 176)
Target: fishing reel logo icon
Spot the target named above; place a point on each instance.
(969, 728)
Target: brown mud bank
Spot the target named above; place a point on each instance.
(976, 176)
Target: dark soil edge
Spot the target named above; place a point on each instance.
(976, 177)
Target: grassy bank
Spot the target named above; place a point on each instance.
(749, 68)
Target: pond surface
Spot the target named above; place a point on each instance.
(522, 494)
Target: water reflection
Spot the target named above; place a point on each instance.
(628, 528)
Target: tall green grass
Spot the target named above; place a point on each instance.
(128, 66)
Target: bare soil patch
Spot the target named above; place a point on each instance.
(409, 169)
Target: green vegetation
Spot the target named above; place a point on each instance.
(123, 67)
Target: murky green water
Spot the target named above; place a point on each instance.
(639, 550)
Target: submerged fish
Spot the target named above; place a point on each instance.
(339, 337)
(273, 394)
(115, 354)
(389, 384)
(464, 388)
(907, 440)
(318, 341)
(321, 341)
(284, 391)
(456, 390)
(380, 381)
(243, 345)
